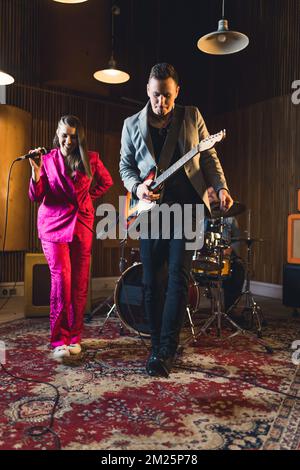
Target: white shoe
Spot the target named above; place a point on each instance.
(75, 348)
(61, 351)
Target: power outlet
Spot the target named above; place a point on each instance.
(4, 292)
(7, 292)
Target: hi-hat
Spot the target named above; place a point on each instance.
(236, 209)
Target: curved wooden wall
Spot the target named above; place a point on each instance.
(15, 138)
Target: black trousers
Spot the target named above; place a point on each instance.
(166, 268)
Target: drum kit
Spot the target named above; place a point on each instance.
(210, 267)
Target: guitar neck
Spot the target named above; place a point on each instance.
(176, 166)
(205, 144)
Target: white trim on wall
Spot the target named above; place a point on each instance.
(266, 290)
(107, 284)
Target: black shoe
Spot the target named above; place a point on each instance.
(153, 367)
(166, 359)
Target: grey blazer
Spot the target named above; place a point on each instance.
(137, 155)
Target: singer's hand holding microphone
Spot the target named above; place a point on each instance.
(36, 162)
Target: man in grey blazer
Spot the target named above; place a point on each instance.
(145, 139)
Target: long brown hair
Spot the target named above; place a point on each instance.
(79, 159)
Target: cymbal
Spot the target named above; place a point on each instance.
(236, 209)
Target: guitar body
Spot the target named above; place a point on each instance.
(134, 207)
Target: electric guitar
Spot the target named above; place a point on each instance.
(134, 207)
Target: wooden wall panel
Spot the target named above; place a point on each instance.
(15, 136)
(261, 160)
(19, 39)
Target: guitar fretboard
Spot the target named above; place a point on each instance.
(204, 145)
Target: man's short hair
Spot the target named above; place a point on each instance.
(163, 71)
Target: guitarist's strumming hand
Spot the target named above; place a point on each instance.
(144, 193)
(226, 200)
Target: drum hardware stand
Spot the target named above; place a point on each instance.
(109, 301)
(251, 305)
(217, 315)
(192, 326)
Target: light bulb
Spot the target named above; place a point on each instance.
(221, 38)
(111, 76)
(6, 79)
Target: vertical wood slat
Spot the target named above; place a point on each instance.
(19, 39)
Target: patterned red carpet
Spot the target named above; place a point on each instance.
(107, 401)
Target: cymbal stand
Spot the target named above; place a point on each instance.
(109, 301)
(192, 326)
(251, 307)
(217, 316)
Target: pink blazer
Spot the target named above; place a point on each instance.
(65, 200)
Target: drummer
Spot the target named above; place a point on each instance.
(234, 284)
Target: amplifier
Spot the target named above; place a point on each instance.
(37, 286)
(291, 285)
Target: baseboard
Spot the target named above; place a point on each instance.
(104, 286)
(266, 290)
(107, 284)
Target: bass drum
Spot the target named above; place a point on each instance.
(129, 300)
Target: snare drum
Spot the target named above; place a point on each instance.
(213, 272)
(206, 259)
(209, 262)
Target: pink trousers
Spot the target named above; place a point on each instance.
(69, 265)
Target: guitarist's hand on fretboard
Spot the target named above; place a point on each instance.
(144, 193)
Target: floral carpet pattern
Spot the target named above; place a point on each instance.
(221, 394)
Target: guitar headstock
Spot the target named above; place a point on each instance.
(210, 141)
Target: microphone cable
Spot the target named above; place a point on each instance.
(38, 430)
(5, 225)
(33, 431)
(34, 154)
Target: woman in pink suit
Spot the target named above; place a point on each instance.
(62, 181)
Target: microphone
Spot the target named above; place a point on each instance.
(35, 154)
